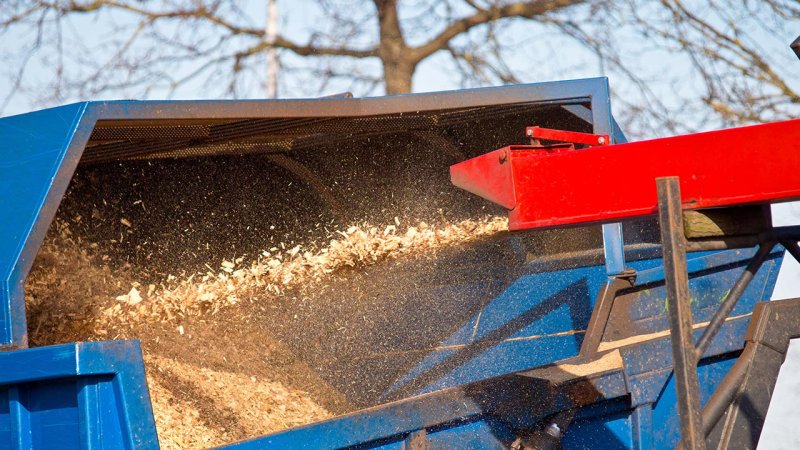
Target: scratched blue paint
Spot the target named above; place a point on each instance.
(666, 431)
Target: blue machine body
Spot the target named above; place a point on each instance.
(637, 408)
(94, 395)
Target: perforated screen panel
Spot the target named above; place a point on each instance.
(179, 139)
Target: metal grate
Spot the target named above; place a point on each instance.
(176, 139)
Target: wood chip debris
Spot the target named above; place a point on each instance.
(277, 270)
(131, 298)
(73, 294)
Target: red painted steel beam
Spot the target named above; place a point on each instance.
(557, 187)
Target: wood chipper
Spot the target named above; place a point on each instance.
(628, 308)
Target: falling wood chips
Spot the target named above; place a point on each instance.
(72, 294)
(275, 270)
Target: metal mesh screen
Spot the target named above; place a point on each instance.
(176, 139)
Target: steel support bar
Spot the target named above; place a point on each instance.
(725, 393)
(738, 408)
(613, 248)
(729, 302)
(676, 279)
(792, 248)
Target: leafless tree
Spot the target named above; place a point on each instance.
(220, 41)
(723, 61)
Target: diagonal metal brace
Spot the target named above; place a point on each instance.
(729, 302)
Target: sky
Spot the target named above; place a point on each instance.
(298, 21)
(538, 54)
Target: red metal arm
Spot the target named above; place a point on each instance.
(567, 136)
(757, 164)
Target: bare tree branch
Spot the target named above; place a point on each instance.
(527, 10)
(678, 65)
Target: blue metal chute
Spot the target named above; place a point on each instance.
(36, 165)
(454, 408)
(41, 150)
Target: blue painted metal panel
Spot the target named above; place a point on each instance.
(711, 277)
(540, 318)
(34, 171)
(611, 431)
(520, 328)
(665, 410)
(483, 434)
(53, 412)
(647, 377)
(375, 426)
(5, 420)
(76, 396)
(394, 445)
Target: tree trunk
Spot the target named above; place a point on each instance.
(397, 76)
(398, 63)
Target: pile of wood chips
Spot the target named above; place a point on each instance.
(241, 406)
(279, 269)
(74, 295)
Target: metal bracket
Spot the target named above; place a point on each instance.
(602, 311)
(614, 248)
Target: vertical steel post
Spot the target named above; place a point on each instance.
(684, 356)
(614, 248)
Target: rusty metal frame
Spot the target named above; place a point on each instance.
(696, 423)
(676, 278)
